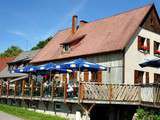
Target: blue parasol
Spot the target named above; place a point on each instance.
(26, 69)
(81, 64)
(52, 67)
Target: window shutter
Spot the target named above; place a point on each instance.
(86, 75)
(138, 77)
(93, 76)
(139, 42)
(147, 77)
(99, 78)
(148, 44)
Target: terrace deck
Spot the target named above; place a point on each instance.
(97, 93)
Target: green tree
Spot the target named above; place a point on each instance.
(12, 51)
(42, 43)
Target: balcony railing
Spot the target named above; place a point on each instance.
(92, 92)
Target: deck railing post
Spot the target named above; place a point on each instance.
(139, 93)
(8, 88)
(41, 89)
(110, 93)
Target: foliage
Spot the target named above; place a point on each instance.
(42, 43)
(26, 114)
(12, 51)
(143, 114)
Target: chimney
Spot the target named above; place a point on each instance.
(74, 24)
(82, 23)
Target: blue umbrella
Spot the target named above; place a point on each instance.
(26, 69)
(52, 67)
(81, 64)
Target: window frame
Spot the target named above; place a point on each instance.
(140, 43)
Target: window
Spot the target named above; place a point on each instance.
(138, 77)
(143, 45)
(157, 49)
(66, 47)
(156, 78)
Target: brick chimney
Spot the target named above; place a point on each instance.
(74, 24)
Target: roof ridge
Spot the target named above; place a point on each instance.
(123, 12)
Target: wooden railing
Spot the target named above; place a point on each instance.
(92, 91)
(146, 94)
(110, 92)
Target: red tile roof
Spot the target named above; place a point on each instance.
(104, 35)
(3, 62)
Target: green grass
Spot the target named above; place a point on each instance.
(26, 114)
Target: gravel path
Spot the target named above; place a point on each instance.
(5, 116)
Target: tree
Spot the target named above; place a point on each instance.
(42, 43)
(12, 51)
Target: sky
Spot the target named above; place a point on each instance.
(25, 22)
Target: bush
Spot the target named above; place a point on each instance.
(144, 114)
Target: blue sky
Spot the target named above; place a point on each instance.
(25, 22)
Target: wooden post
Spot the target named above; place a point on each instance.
(23, 88)
(8, 88)
(52, 91)
(110, 93)
(65, 89)
(41, 89)
(32, 87)
(139, 94)
(15, 88)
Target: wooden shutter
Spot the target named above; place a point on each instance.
(99, 77)
(93, 76)
(139, 42)
(155, 78)
(148, 44)
(147, 77)
(86, 75)
(138, 77)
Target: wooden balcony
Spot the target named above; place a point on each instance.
(92, 92)
(148, 95)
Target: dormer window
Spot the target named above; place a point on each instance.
(157, 49)
(143, 45)
(66, 47)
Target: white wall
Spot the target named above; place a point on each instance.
(133, 57)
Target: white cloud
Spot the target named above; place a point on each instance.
(18, 33)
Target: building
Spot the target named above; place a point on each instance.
(9, 78)
(4, 61)
(120, 42)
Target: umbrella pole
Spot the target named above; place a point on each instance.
(79, 87)
(50, 79)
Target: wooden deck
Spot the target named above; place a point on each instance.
(90, 92)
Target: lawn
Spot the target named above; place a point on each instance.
(26, 114)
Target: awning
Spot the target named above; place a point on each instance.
(151, 63)
(20, 78)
